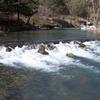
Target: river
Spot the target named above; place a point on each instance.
(28, 75)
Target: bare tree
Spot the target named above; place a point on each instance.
(98, 13)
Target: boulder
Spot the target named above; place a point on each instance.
(41, 50)
(71, 55)
(82, 45)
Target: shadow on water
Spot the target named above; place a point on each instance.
(88, 62)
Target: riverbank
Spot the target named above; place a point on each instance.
(61, 21)
(40, 22)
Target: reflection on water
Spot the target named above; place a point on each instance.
(48, 35)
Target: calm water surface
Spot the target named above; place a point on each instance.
(49, 35)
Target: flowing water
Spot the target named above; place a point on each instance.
(54, 76)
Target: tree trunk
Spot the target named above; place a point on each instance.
(94, 19)
(98, 13)
(28, 20)
(18, 16)
(97, 19)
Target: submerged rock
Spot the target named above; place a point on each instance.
(51, 46)
(71, 55)
(82, 45)
(8, 49)
(41, 50)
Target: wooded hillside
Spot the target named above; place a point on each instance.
(39, 11)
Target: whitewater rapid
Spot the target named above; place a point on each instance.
(27, 56)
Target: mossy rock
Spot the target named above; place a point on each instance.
(42, 47)
(41, 50)
(82, 45)
(71, 55)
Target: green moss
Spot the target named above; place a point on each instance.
(42, 47)
(71, 55)
(42, 50)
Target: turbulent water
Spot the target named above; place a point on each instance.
(27, 56)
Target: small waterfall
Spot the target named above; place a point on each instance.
(27, 56)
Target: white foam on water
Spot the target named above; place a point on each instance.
(30, 58)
